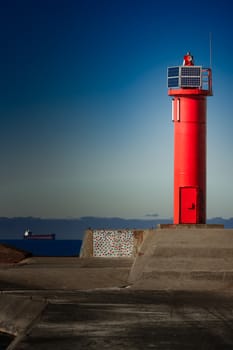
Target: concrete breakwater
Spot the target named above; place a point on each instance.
(179, 280)
(167, 258)
(181, 257)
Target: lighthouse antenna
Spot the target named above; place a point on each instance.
(210, 46)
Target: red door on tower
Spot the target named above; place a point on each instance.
(188, 205)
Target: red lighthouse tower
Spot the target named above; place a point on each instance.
(189, 85)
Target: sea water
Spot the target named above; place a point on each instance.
(43, 247)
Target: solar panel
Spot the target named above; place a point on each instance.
(173, 72)
(184, 77)
(190, 82)
(173, 82)
(173, 77)
(190, 71)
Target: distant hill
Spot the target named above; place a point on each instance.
(13, 228)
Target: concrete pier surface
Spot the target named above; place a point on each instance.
(120, 319)
(175, 293)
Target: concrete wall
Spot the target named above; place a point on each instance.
(87, 245)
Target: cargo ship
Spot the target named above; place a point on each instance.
(28, 235)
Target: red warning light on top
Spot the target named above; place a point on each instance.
(188, 60)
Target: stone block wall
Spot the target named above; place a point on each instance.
(112, 243)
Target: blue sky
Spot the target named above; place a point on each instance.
(85, 117)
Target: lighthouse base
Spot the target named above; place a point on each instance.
(181, 258)
(185, 226)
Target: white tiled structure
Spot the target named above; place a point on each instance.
(110, 243)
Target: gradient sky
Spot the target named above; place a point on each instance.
(85, 118)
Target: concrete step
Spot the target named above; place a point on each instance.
(169, 251)
(184, 259)
(206, 275)
(218, 238)
(67, 273)
(175, 263)
(185, 281)
(94, 262)
(63, 278)
(75, 262)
